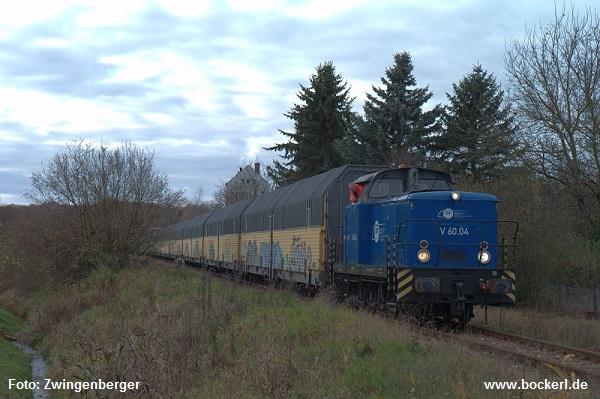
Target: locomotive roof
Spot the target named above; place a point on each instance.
(371, 176)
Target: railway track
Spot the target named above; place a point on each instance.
(565, 360)
(572, 361)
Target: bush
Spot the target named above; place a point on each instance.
(552, 244)
(96, 206)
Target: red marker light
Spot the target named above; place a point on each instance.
(483, 286)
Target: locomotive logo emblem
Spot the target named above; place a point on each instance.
(451, 213)
(446, 213)
(378, 230)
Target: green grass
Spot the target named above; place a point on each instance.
(188, 336)
(13, 362)
(9, 323)
(185, 335)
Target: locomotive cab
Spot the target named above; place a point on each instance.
(390, 183)
(439, 251)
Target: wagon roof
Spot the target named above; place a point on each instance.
(316, 186)
(267, 201)
(232, 211)
(178, 227)
(311, 187)
(199, 221)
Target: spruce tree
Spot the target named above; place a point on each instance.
(396, 128)
(479, 136)
(321, 118)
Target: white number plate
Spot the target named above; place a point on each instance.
(454, 231)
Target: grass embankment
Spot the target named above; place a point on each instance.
(549, 326)
(13, 362)
(185, 335)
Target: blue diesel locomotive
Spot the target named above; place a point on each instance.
(394, 237)
(439, 250)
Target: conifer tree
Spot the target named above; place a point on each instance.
(396, 128)
(321, 118)
(479, 135)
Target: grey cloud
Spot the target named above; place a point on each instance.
(75, 72)
(444, 42)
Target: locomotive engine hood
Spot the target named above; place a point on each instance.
(445, 196)
(416, 212)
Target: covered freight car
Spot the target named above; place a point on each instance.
(222, 235)
(283, 234)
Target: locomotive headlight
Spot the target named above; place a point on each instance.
(484, 257)
(423, 255)
(455, 196)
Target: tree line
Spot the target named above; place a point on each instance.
(475, 134)
(548, 125)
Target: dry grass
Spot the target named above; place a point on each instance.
(184, 335)
(550, 326)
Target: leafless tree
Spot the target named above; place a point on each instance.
(198, 197)
(554, 75)
(195, 206)
(99, 204)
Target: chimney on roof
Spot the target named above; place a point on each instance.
(257, 167)
(240, 168)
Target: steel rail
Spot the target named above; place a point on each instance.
(552, 346)
(570, 360)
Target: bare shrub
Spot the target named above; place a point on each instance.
(554, 76)
(98, 205)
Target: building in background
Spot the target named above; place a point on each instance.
(247, 182)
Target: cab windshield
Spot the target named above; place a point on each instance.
(396, 182)
(387, 187)
(431, 185)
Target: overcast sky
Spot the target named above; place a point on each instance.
(205, 83)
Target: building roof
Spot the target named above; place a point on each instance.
(247, 172)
